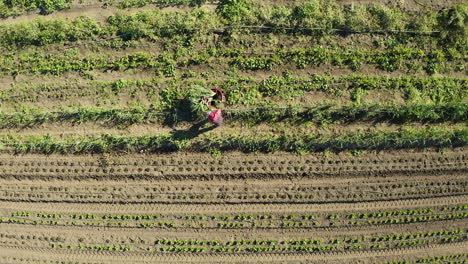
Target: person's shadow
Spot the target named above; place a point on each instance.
(182, 112)
(193, 131)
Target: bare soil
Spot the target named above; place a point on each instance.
(180, 187)
(349, 207)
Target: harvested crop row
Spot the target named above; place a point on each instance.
(230, 166)
(174, 210)
(201, 166)
(380, 256)
(236, 192)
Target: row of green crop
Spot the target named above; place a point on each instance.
(347, 114)
(411, 60)
(187, 246)
(439, 259)
(17, 7)
(243, 217)
(161, 3)
(119, 117)
(451, 259)
(437, 89)
(267, 224)
(249, 91)
(303, 242)
(185, 141)
(59, 64)
(13, 8)
(305, 18)
(418, 235)
(320, 115)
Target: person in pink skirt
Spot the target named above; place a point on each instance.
(216, 117)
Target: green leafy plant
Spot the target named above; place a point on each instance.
(200, 97)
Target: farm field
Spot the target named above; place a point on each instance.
(344, 135)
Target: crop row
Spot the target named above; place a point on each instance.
(324, 114)
(58, 64)
(418, 219)
(261, 242)
(452, 259)
(92, 247)
(12, 8)
(242, 217)
(404, 138)
(317, 18)
(320, 115)
(305, 245)
(227, 222)
(257, 224)
(455, 208)
(390, 60)
(15, 8)
(254, 162)
(418, 235)
(248, 91)
(442, 258)
(387, 213)
(435, 61)
(342, 193)
(437, 89)
(364, 241)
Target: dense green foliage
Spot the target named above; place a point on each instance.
(389, 60)
(433, 100)
(367, 113)
(313, 17)
(361, 140)
(415, 89)
(42, 32)
(72, 60)
(160, 3)
(17, 7)
(250, 91)
(320, 115)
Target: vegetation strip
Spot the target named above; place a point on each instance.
(320, 115)
(16, 8)
(250, 91)
(267, 246)
(187, 141)
(390, 60)
(241, 221)
(325, 15)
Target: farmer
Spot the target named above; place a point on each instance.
(215, 117)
